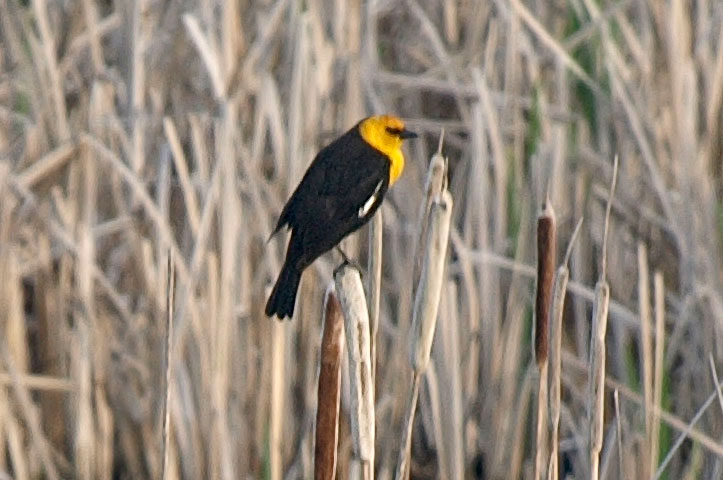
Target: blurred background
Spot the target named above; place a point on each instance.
(131, 129)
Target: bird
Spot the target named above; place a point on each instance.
(339, 193)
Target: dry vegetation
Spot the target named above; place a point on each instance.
(131, 129)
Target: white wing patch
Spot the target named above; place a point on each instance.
(364, 209)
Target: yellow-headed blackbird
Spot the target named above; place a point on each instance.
(341, 190)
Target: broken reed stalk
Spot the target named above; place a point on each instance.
(170, 289)
(558, 304)
(329, 390)
(546, 248)
(356, 325)
(596, 373)
(426, 306)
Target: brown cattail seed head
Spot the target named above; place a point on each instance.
(546, 247)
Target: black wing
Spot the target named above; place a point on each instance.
(339, 184)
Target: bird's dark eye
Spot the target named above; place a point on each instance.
(394, 131)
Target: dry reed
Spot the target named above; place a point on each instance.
(278, 399)
(128, 129)
(167, 379)
(374, 287)
(658, 359)
(646, 358)
(619, 434)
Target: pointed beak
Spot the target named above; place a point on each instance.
(405, 134)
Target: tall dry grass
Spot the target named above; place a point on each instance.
(133, 129)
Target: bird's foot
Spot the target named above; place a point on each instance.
(347, 261)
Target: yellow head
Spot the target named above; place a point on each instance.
(386, 133)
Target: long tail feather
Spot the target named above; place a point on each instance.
(283, 297)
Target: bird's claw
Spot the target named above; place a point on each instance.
(346, 261)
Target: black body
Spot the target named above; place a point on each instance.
(341, 190)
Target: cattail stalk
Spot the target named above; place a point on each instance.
(596, 378)
(436, 181)
(546, 248)
(426, 302)
(426, 306)
(356, 325)
(558, 304)
(327, 413)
